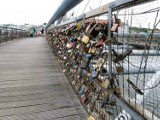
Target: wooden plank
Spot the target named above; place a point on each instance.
(47, 115)
(32, 87)
(54, 87)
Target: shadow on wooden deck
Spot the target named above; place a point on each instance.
(32, 85)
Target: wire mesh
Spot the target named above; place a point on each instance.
(139, 30)
(137, 74)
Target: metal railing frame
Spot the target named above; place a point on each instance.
(109, 8)
(10, 33)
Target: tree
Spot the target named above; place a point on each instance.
(44, 23)
(137, 29)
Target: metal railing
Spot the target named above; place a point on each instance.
(10, 33)
(139, 85)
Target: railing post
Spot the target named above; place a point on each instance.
(109, 37)
(120, 103)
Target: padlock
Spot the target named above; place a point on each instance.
(101, 60)
(104, 94)
(73, 71)
(74, 82)
(135, 87)
(86, 47)
(115, 24)
(94, 73)
(119, 68)
(92, 49)
(105, 83)
(78, 25)
(90, 118)
(93, 32)
(85, 39)
(114, 27)
(78, 46)
(122, 56)
(112, 102)
(88, 74)
(101, 41)
(117, 90)
(86, 60)
(100, 115)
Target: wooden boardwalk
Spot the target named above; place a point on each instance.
(32, 85)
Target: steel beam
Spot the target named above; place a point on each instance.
(116, 5)
(8, 27)
(128, 109)
(62, 10)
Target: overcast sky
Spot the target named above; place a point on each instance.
(27, 11)
(39, 11)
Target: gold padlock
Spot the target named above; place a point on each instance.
(118, 90)
(73, 71)
(105, 83)
(85, 39)
(104, 94)
(78, 46)
(78, 25)
(88, 74)
(119, 69)
(90, 118)
(100, 115)
(100, 63)
(74, 82)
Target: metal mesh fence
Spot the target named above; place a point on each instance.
(7, 34)
(140, 32)
(132, 68)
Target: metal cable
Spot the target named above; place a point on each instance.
(85, 6)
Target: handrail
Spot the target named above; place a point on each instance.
(62, 10)
(5, 27)
(116, 5)
(8, 33)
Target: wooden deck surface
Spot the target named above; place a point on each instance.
(32, 85)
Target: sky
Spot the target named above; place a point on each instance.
(141, 20)
(27, 11)
(38, 12)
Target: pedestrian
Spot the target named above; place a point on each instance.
(32, 32)
(42, 31)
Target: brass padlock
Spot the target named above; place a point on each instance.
(105, 83)
(88, 74)
(119, 69)
(74, 82)
(100, 62)
(100, 115)
(104, 94)
(73, 71)
(78, 46)
(85, 39)
(118, 90)
(90, 118)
